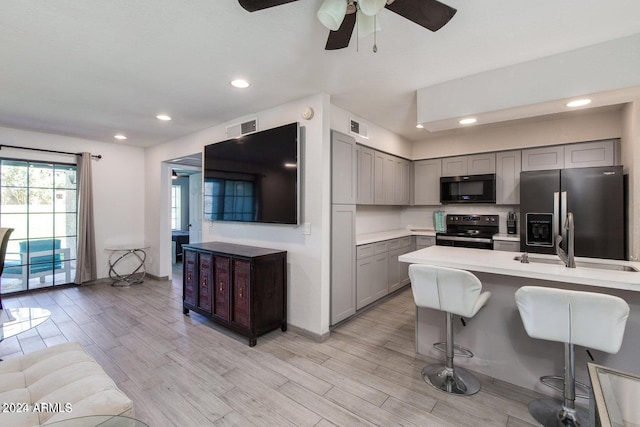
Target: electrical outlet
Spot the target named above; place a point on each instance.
(306, 228)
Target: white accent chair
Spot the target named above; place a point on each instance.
(456, 292)
(588, 319)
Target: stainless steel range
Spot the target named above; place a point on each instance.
(469, 231)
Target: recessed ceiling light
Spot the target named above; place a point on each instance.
(468, 121)
(163, 117)
(419, 126)
(240, 83)
(120, 137)
(579, 102)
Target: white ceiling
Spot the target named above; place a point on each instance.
(92, 68)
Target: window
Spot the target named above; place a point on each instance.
(39, 201)
(176, 207)
(231, 200)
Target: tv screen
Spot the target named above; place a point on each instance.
(254, 178)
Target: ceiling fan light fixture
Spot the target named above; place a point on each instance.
(331, 13)
(367, 25)
(371, 7)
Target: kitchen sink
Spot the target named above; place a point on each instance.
(597, 265)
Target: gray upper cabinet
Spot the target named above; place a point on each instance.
(426, 182)
(402, 181)
(344, 176)
(578, 155)
(480, 164)
(365, 175)
(476, 164)
(388, 177)
(454, 166)
(543, 158)
(508, 167)
(378, 177)
(592, 154)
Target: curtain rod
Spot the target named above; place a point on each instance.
(95, 156)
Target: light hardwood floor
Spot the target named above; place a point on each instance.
(185, 371)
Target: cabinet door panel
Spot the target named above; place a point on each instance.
(544, 158)
(343, 168)
(222, 287)
(241, 297)
(479, 164)
(508, 168)
(190, 278)
(365, 176)
(205, 281)
(378, 178)
(454, 166)
(589, 154)
(365, 276)
(426, 176)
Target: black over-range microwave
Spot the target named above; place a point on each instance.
(468, 189)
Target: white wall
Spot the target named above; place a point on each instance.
(118, 182)
(558, 129)
(308, 255)
(379, 138)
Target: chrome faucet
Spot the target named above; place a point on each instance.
(567, 257)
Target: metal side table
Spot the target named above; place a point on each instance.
(126, 265)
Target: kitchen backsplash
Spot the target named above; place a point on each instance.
(371, 219)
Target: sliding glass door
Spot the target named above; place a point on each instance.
(39, 201)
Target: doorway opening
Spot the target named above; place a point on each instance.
(185, 206)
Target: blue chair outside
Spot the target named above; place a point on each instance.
(39, 258)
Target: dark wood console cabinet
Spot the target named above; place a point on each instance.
(241, 287)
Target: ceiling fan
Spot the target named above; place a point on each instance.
(340, 15)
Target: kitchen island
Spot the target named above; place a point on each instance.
(496, 335)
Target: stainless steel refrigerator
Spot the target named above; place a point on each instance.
(595, 196)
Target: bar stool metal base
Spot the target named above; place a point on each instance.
(454, 381)
(551, 413)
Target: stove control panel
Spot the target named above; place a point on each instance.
(490, 220)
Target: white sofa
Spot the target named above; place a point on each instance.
(55, 384)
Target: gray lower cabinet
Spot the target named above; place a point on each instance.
(502, 245)
(399, 271)
(371, 273)
(425, 241)
(378, 271)
(343, 255)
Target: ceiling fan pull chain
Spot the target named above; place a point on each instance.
(375, 33)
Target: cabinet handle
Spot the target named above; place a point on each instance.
(189, 277)
(241, 293)
(221, 286)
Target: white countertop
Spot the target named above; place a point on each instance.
(363, 239)
(501, 262)
(507, 237)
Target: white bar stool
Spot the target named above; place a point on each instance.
(588, 319)
(454, 292)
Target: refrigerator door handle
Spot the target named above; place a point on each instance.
(556, 215)
(563, 217)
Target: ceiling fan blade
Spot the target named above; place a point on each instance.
(340, 38)
(253, 5)
(430, 14)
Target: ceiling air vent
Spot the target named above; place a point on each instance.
(243, 128)
(358, 128)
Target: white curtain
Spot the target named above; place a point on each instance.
(86, 269)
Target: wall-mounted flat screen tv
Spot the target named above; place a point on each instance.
(254, 178)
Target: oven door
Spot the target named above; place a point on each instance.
(464, 242)
(468, 189)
